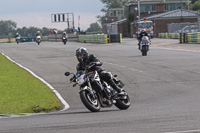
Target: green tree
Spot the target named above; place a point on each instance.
(130, 19)
(45, 31)
(112, 4)
(195, 5)
(6, 27)
(94, 27)
(193, 1)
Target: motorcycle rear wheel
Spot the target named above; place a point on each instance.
(123, 102)
(90, 103)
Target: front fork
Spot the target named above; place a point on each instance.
(89, 89)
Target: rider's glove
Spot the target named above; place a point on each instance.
(73, 79)
(92, 64)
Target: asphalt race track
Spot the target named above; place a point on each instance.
(164, 87)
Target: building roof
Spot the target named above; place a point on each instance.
(175, 14)
(119, 21)
(135, 2)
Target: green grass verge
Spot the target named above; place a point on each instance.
(20, 92)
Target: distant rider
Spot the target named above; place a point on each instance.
(142, 33)
(17, 35)
(38, 34)
(64, 35)
(86, 60)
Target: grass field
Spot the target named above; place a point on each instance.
(6, 40)
(20, 92)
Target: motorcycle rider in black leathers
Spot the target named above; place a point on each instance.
(64, 35)
(38, 34)
(86, 60)
(17, 35)
(142, 33)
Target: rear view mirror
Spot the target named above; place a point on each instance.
(67, 73)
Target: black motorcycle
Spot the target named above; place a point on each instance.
(95, 93)
(64, 39)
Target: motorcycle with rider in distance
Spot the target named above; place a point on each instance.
(18, 39)
(96, 93)
(144, 45)
(64, 40)
(38, 39)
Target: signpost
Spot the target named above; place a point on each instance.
(63, 17)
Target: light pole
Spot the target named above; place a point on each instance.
(138, 9)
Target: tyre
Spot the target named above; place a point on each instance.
(144, 51)
(90, 103)
(123, 102)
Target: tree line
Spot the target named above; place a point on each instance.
(9, 27)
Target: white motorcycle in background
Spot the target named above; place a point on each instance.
(144, 45)
(38, 39)
(18, 39)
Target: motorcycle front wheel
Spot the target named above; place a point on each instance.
(90, 103)
(144, 50)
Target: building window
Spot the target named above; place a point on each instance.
(115, 13)
(147, 8)
(119, 13)
(132, 9)
(112, 13)
(170, 7)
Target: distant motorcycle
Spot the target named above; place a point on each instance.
(64, 39)
(38, 39)
(18, 39)
(144, 45)
(95, 93)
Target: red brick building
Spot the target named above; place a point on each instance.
(162, 20)
(161, 12)
(152, 7)
(155, 10)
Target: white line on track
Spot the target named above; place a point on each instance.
(176, 49)
(132, 69)
(66, 105)
(187, 131)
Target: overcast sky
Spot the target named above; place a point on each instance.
(37, 13)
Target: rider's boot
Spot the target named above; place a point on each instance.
(117, 90)
(139, 46)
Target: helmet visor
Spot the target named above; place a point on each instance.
(80, 57)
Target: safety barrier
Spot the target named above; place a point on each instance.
(169, 35)
(93, 38)
(163, 35)
(193, 37)
(173, 35)
(100, 38)
(185, 38)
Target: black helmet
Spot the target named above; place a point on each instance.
(82, 54)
